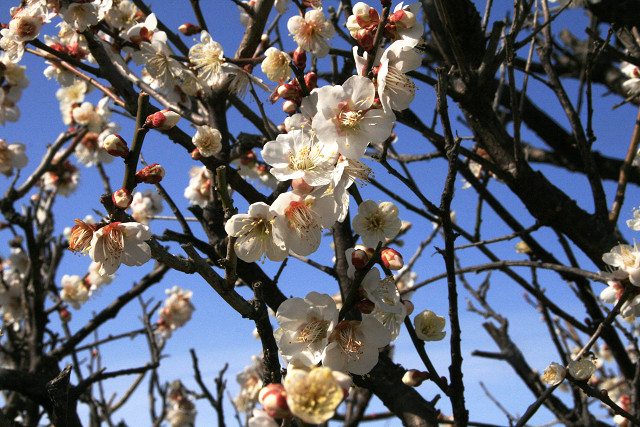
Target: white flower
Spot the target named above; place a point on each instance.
(406, 27)
(62, 178)
(429, 326)
(553, 374)
(627, 259)
(181, 413)
(345, 116)
(376, 222)
(308, 110)
(300, 219)
(311, 32)
(122, 14)
(12, 157)
(634, 223)
(81, 15)
(612, 293)
(313, 396)
(276, 64)
(156, 57)
(25, 25)
(382, 292)
(207, 140)
(176, 312)
(143, 31)
(250, 380)
(255, 236)
(90, 151)
(74, 291)
(120, 242)
(392, 320)
(298, 154)
(145, 206)
(353, 345)
(581, 369)
(95, 279)
(281, 6)
(305, 325)
(261, 419)
(199, 190)
(207, 57)
(11, 304)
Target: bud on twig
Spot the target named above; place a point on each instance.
(65, 315)
(391, 259)
(195, 154)
(116, 146)
(152, 174)
(414, 378)
(311, 80)
(299, 58)
(162, 120)
(274, 400)
(289, 107)
(189, 29)
(122, 198)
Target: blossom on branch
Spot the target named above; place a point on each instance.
(120, 242)
(376, 222)
(311, 32)
(429, 326)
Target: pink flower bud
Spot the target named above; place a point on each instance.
(299, 58)
(359, 259)
(152, 174)
(365, 306)
(65, 315)
(408, 305)
(414, 378)
(162, 120)
(274, 400)
(301, 186)
(289, 91)
(289, 107)
(189, 29)
(195, 154)
(116, 146)
(122, 198)
(403, 19)
(391, 259)
(311, 79)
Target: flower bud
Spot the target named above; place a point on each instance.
(152, 174)
(162, 120)
(116, 146)
(359, 259)
(65, 315)
(274, 400)
(189, 29)
(581, 369)
(403, 19)
(408, 305)
(195, 154)
(301, 186)
(288, 91)
(290, 107)
(365, 306)
(311, 79)
(365, 39)
(391, 259)
(413, 377)
(122, 198)
(299, 58)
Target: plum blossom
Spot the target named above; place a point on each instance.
(376, 222)
(553, 374)
(345, 115)
(261, 419)
(156, 57)
(305, 325)
(74, 291)
(404, 23)
(314, 395)
(300, 219)
(182, 411)
(120, 242)
(81, 15)
(298, 154)
(250, 380)
(207, 140)
(353, 345)
(176, 312)
(276, 64)
(612, 293)
(626, 258)
(254, 234)
(62, 178)
(81, 236)
(632, 85)
(11, 304)
(429, 326)
(95, 280)
(311, 32)
(207, 57)
(12, 157)
(145, 206)
(581, 369)
(199, 191)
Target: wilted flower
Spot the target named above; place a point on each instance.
(81, 235)
(553, 374)
(429, 326)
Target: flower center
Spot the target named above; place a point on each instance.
(300, 216)
(113, 240)
(628, 258)
(374, 222)
(302, 159)
(313, 331)
(398, 83)
(348, 119)
(344, 335)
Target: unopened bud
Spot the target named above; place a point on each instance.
(391, 259)
(288, 91)
(274, 400)
(365, 306)
(189, 29)
(365, 39)
(403, 19)
(408, 305)
(116, 146)
(301, 186)
(162, 120)
(195, 154)
(290, 107)
(152, 174)
(359, 259)
(122, 198)
(248, 160)
(311, 79)
(65, 315)
(413, 377)
(299, 58)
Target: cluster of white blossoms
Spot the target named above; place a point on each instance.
(145, 205)
(176, 312)
(14, 271)
(12, 157)
(13, 82)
